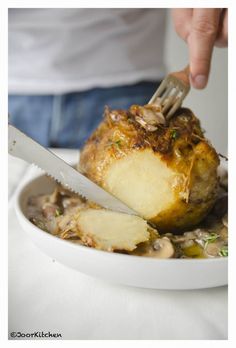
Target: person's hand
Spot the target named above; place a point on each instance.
(202, 29)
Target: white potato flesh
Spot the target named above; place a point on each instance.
(108, 230)
(143, 181)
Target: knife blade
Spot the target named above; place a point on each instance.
(24, 147)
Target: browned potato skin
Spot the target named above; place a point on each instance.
(180, 144)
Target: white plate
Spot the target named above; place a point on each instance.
(124, 269)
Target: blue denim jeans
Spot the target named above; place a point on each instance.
(67, 120)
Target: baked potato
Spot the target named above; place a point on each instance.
(164, 170)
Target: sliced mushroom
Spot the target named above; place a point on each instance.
(160, 248)
(213, 249)
(49, 210)
(163, 248)
(148, 116)
(224, 233)
(153, 116)
(145, 125)
(187, 243)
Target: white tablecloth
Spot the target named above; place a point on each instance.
(47, 296)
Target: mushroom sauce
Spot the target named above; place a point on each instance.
(54, 213)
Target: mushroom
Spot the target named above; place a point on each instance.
(160, 248)
(213, 249)
(152, 117)
(149, 117)
(145, 125)
(224, 233)
(50, 210)
(163, 248)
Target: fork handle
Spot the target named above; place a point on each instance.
(183, 75)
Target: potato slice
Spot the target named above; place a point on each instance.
(108, 230)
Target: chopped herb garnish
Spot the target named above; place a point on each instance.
(174, 134)
(224, 251)
(116, 143)
(58, 212)
(210, 239)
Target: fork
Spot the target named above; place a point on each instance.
(172, 91)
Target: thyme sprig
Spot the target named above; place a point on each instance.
(210, 239)
(223, 251)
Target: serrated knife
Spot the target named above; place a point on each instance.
(22, 146)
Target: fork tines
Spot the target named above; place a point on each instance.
(170, 95)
